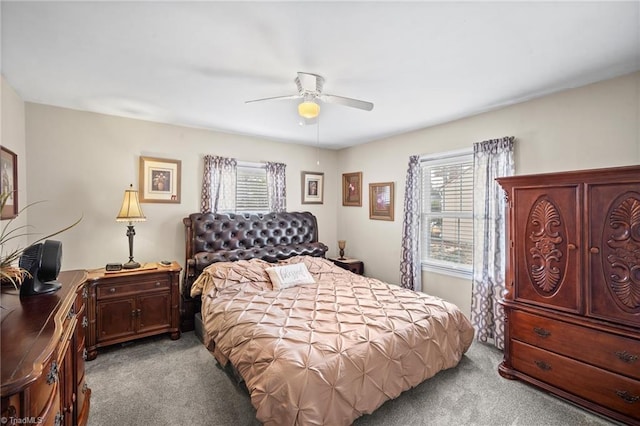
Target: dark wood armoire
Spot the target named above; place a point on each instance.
(572, 305)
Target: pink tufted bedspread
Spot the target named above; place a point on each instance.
(329, 352)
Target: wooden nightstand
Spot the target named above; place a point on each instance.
(130, 304)
(354, 265)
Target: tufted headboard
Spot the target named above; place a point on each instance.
(214, 237)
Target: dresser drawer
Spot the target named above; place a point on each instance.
(611, 390)
(615, 353)
(117, 289)
(44, 392)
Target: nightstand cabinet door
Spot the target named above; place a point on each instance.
(116, 319)
(153, 312)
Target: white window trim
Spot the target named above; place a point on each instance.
(442, 267)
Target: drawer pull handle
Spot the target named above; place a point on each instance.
(571, 246)
(541, 332)
(627, 397)
(112, 290)
(157, 283)
(543, 365)
(627, 357)
(594, 250)
(52, 376)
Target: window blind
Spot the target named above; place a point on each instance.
(251, 189)
(447, 212)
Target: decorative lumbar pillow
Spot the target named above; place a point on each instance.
(289, 275)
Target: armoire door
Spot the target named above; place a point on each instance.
(614, 252)
(547, 240)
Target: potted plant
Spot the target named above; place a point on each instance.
(10, 271)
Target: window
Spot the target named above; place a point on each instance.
(251, 188)
(447, 213)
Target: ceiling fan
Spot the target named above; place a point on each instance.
(310, 91)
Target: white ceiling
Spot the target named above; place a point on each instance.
(420, 63)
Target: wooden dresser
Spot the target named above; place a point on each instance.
(43, 350)
(572, 305)
(131, 304)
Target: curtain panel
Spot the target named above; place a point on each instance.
(218, 184)
(410, 269)
(276, 186)
(491, 159)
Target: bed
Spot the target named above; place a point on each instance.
(323, 345)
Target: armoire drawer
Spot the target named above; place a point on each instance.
(617, 392)
(605, 350)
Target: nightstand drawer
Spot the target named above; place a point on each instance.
(125, 288)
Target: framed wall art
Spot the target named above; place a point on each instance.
(312, 187)
(352, 189)
(159, 180)
(381, 201)
(9, 171)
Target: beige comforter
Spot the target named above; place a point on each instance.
(328, 352)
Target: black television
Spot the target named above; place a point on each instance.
(42, 263)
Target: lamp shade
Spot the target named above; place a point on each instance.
(130, 210)
(308, 109)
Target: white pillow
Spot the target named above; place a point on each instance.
(289, 275)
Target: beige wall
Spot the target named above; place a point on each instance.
(82, 162)
(589, 127)
(12, 125)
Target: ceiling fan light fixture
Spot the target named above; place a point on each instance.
(308, 109)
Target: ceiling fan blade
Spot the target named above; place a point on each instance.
(355, 103)
(275, 98)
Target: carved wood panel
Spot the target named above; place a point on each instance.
(547, 238)
(614, 252)
(546, 235)
(621, 251)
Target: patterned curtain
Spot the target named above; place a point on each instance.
(491, 159)
(218, 185)
(277, 186)
(410, 270)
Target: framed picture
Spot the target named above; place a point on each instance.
(159, 180)
(352, 189)
(381, 201)
(312, 187)
(9, 170)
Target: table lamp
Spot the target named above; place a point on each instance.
(341, 245)
(130, 212)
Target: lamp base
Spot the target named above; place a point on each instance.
(131, 265)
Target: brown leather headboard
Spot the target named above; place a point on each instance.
(216, 237)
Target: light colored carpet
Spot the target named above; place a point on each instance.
(163, 382)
